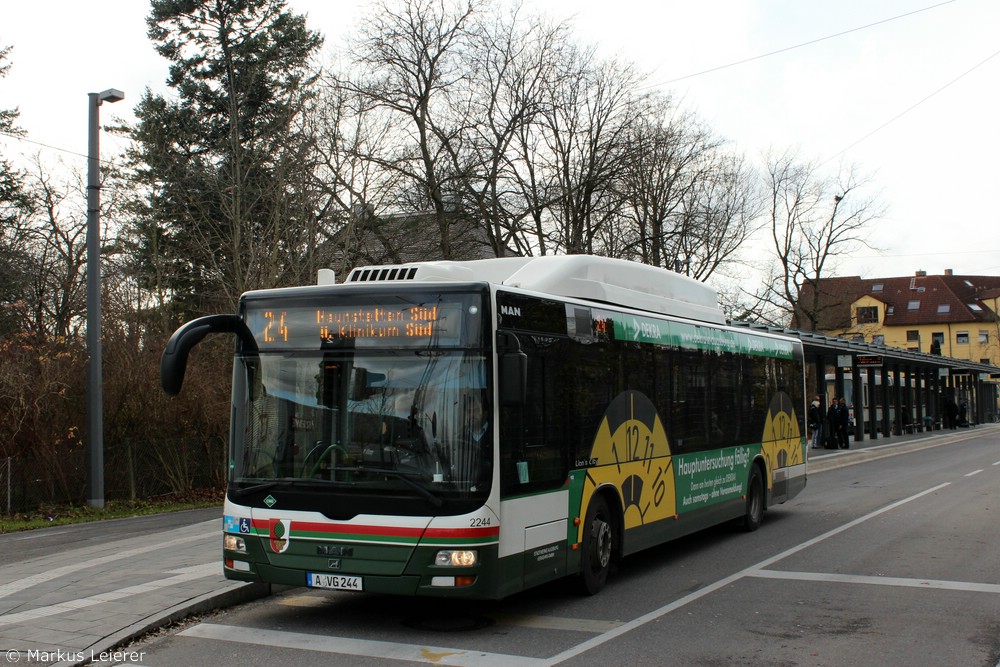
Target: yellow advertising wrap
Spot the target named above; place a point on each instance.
(632, 454)
(781, 441)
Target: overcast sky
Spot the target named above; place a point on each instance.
(908, 90)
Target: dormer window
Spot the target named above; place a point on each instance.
(867, 314)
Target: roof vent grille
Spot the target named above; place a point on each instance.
(368, 274)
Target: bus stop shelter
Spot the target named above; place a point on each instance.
(895, 390)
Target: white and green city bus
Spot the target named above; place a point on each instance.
(473, 429)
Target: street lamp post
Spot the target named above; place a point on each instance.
(95, 406)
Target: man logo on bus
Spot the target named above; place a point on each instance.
(278, 530)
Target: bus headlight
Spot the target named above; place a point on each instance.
(456, 558)
(234, 543)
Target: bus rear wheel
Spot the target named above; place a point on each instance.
(754, 514)
(598, 546)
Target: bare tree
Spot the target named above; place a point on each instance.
(670, 156)
(721, 214)
(47, 243)
(351, 180)
(594, 108)
(411, 67)
(509, 74)
(812, 223)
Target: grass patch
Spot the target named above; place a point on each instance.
(60, 515)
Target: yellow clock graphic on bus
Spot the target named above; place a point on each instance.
(631, 452)
(782, 441)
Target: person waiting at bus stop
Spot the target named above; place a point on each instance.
(830, 425)
(950, 413)
(843, 425)
(816, 422)
(837, 419)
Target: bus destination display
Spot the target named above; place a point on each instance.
(315, 327)
(376, 322)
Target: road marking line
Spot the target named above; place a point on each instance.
(974, 472)
(878, 581)
(594, 642)
(522, 620)
(358, 647)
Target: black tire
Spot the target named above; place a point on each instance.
(754, 514)
(598, 546)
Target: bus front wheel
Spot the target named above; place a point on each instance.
(755, 500)
(598, 545)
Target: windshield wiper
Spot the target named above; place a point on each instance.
(247, 490)
(270, 484)
(406, 479)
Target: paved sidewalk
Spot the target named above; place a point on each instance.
(867, 450)
(72, 606)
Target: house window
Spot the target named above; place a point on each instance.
(937, 340)
(912, 336)
(878, 339)
(913, 305)
(961, 337)
(984, 337)
(867, 315)
(944, 308)
(975, 307)
(878, 287)
(890, 310)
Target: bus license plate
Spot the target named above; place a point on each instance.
(337, 582)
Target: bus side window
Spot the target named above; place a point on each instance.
(533, 436)
(689, 418)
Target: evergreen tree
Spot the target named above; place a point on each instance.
(15, 204)
(226, 163)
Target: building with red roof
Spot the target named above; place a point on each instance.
(952, 315)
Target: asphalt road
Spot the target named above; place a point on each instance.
(889, 562)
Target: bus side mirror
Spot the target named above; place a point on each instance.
(513, 378)
(173, 363)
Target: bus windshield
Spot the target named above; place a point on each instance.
(353, 422)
